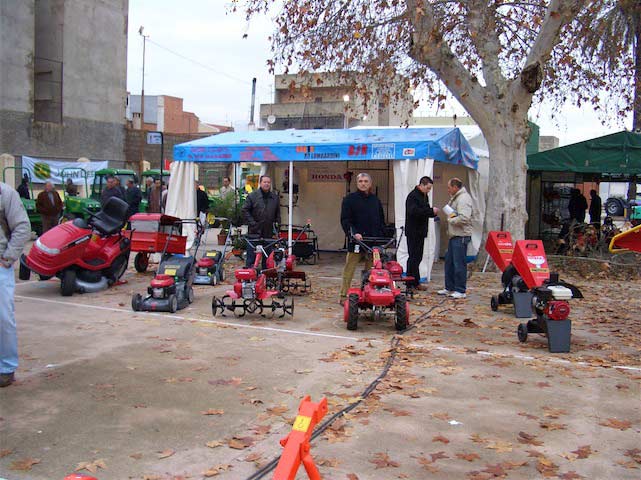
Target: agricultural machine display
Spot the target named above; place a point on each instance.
(378, 294)
(87, 256)
(210, 268)
(251, 293)
(77, 206)
(281, 267)
(525, 271)
(305, 246)
(171, 288)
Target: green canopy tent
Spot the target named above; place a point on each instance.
(615, 157)
(618, 154)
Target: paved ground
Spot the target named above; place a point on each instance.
(163, 396)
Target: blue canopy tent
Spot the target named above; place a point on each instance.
(407, 146)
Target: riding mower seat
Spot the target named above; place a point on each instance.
(112, 217)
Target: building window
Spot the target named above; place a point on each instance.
(47, 68)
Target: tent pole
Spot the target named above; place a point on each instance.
(290, 210)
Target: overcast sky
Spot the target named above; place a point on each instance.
(212, 66)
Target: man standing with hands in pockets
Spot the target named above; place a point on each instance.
(459, 211)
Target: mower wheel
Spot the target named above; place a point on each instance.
(68, 283)
(494, 303)
(214, 279)
(521, 332)
(190, 295)
(136, 302)
(400, 304)
(23, 272)
(141, 262)
(173, 303)
(221, 274)
(352, 312)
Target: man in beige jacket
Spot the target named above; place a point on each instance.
(459, 232)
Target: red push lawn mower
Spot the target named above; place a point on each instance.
(251, 293)
(86, 256)
(210, 268)
(378, 294)
(525, 271)
(171, 289)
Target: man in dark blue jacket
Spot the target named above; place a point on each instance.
(361, 216)
(417, 213)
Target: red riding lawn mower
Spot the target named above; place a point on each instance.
(251, 290)
(378, 294)
(525, 271)
(86, 256)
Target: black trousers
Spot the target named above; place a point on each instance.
(415, 245)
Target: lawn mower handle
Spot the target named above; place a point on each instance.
(377, 240)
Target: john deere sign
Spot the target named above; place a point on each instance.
(42, 171)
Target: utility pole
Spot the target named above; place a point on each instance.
(142, 101)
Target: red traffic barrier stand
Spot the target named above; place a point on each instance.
(296, 444)
(79, 476)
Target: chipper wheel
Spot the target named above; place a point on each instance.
(352, 312)
(402, 313)
(494, 303)
(136, 302)
(521, 332)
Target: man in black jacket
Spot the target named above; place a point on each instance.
(202, 200)
(261, 210)
(417, 214)
(133, 196)
(361, 216)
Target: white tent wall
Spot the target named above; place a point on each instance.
(407, 173)
(181, 196)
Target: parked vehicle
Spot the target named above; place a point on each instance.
(29, 204)
(78, 206)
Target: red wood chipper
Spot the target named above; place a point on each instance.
(525, 271)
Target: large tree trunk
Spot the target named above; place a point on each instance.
(505, 201)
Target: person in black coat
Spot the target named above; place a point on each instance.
(23, 188)
(361, 216)
(260, 211)
(202, 200)
(417, 213)
(577, 205)
(133, 196)
(595, 209)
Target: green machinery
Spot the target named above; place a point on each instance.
(78, 205)
(29, 204)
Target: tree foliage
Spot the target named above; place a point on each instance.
(495, 57)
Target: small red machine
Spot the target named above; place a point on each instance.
(251, 291)
(528, 274)
(86, 256)
(378, 293)
(281, 268)
(153, 233)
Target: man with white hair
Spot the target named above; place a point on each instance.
(361, 216)
(49, 206)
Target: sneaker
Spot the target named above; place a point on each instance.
(445, 291)
(6, 379)
(457, 295)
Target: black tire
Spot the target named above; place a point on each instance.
(136, 302)
(117, 268)
(613, 208)
(521, 332)
(68, 283)
(173, 303)
(352, 316)
(221, 274)
(494, 303)
(23, 272)
(190, 295)
(400, 305)
(141, 262)
(214, 279)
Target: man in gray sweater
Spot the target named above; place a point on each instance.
(15, 230)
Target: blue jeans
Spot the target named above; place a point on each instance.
(8, 336)
(455, 265)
